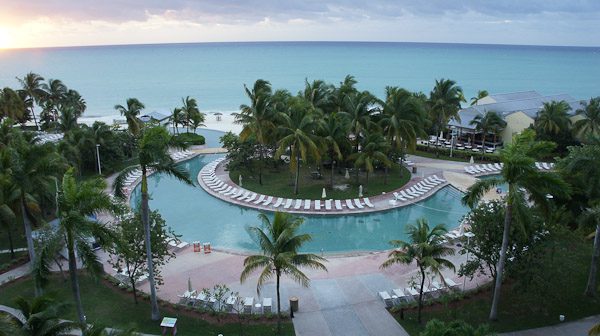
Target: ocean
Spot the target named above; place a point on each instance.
(214, 73)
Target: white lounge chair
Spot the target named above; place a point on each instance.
(243, 195)
(428, 184)
(338, 205)
(317, 204)
(288, 203)
(250, 198)
(411, 291)
(368, 202)
(398, 197)
(226, 190)
(432, 181)
(498, 166)
(387, 299)
(441, 180)
(414, 192)
(349, 204)
(298, 204)
(221, 188)
(358, 204)
(451, 284)
(267, 305)
(278, 202)
(268, 201)
(400, 294)
(546, 166)
(306, 204)
(248, 304)
(231, 192)
(403, 193)
(238, 194)
(328, 204)
(260, 199)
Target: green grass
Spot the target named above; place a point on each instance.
(457, 155)
(105, 305)
(558, 289)
(18, 236)
(280, 182)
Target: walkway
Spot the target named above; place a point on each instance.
(579, 327)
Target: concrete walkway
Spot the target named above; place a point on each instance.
(15, 273)
(579, 327)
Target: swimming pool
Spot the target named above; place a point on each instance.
(196, 215)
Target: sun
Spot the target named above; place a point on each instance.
(5, 40)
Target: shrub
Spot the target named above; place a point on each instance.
(190, 138)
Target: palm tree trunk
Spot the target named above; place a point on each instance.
(502, 260)
(260, 163)
(146, 223)
(367, 182)
(279, 305)
(10, 244)
(132, 280)
(37, 127)
(297, 171)
(30, 246)
(332, 172)
(73, 276)
(592, 286)
(421, 294)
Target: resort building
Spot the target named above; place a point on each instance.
(518, 109)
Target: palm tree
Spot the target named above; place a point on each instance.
(11, 105)
(589, 126)
(34, 170)
(67, 120)
(297, 129)
(78, 201)
(425, 248)
(177, 118)
(131, 113)
(480, 95)
(524, 182)
(358, 108)
(403, 119)
(9, 197)
(42, 317)
(279, 243)
(8, 326)
(347, 88)
(257, 118)
(54, 93)
(196, 120)
(592, 216)
(320, 95)
(153, 154)
(373, 151)
(31, 84)
(333, 130)
(189, 108)
(444, 103)
(553, 118)
(490, 121)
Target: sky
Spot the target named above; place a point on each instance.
(47, 23)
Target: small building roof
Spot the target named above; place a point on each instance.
(157, 116)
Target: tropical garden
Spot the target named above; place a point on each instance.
(539, 246)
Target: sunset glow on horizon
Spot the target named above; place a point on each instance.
(64, 23)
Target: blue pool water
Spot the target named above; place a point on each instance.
(196, 215)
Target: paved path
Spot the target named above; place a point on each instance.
(15, 273)
(20, 249)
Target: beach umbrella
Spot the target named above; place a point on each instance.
(360, 191)
(347, 176)
(218, 115)
(471, 161)
(189, 284)
(324, 194)
(240, 180)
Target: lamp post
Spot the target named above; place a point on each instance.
(468, 235)
(98, 158)
(452, 139)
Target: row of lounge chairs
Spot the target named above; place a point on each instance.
(493, 168)
(207, 174)
(181, 155)
(43, 138)
(419, 189)
(247, 305)
(409, 293)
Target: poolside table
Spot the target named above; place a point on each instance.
(168, 324)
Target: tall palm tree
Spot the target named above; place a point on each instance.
(589, 126)
(258, 118)
(297, 129)
(34, 170)
(525, 183)
(54, 93)
(280, 243)
(42, 317)
(347, 88)
(480, 95)
(444, 103)
(177, 118)
(333, 131)
(553, 118)
(31, 84)
(426, 248)
(373, 151)
(489, 122)
(320, 95)
(67, 119)
(592, 216)
(196, 120)
(359, 108)
(74, 100)
(403, 119)
(153, 154)
(131, 113)
(77, 202)
(189, 108)
(9, 197)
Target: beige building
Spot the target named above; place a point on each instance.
(518, 109)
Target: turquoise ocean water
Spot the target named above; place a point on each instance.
(214, 73)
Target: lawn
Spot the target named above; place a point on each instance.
(105, 305)
(18, 237)
(279, 182)
(556, 289)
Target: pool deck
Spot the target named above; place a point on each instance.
(450, 171)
